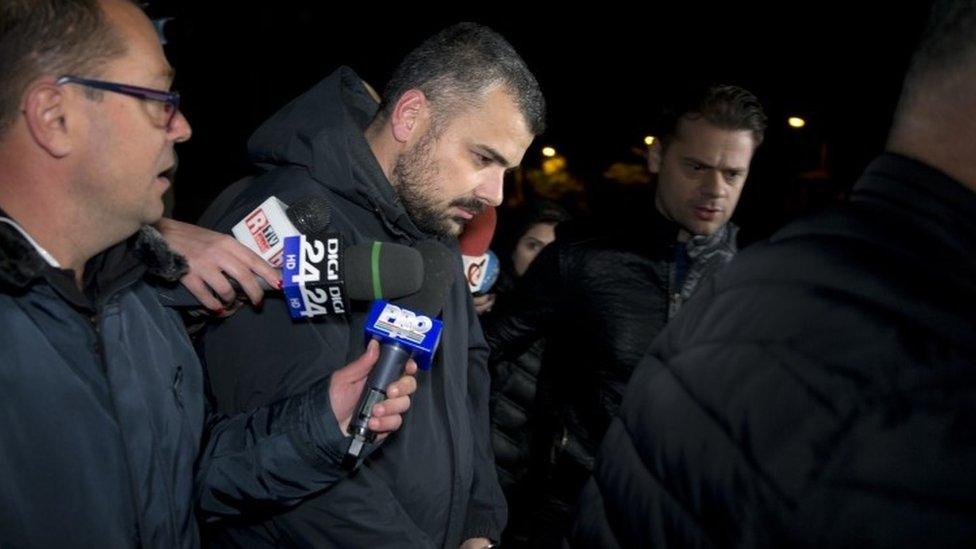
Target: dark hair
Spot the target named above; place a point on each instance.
(726, 106)
(947, 42)
(513, 225)
(456, 66)
(50, 37)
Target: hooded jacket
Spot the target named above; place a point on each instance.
(430, 484)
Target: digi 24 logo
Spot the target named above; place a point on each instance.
(314, 253)
(315, 296)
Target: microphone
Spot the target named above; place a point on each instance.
(368, 270)
(265, 228)
(262, 231)
(406, 328)
(477, 234)
(480, 264)
(320, 277)
(481, 272)
(362, 272)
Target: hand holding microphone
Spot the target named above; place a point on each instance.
(222, 267)
(406, 329)
(321, 276)
(346, 387)
(210, 255)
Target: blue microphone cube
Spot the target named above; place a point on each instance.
(419, 333)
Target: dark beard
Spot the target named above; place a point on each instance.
(414, 178)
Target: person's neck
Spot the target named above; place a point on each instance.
(51, 219)
(950, 158)
(939, 132)
(385, 148)
(683, 235)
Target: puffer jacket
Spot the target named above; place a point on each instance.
(598, 303)
(101, 401)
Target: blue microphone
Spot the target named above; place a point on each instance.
(406, 328)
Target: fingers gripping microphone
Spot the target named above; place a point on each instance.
(406, 328)
(263, 230)
(363, 272)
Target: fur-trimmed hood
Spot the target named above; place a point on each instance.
(20, 263)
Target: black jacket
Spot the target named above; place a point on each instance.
(599, 303)
(430, 484)
(102, 403)
(512, 409)
(512, 399)
(820, 392)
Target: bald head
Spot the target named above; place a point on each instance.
(935, 121)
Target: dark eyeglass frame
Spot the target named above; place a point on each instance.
(170, 98)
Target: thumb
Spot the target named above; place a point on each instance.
(358, 369)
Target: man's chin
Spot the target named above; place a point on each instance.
(154, 212)
(703, 229)
(455, 226)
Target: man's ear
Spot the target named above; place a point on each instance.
(409, 114)
(654, 156)
(46, 113)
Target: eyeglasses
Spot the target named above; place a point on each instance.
(162, 117)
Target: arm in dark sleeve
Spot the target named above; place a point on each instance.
(270, 457)
(487, 510)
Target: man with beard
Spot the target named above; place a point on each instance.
(459, 112)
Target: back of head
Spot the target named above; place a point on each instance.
(725, 106)
(458, 66)
(947, 48)
(50, 37)
(937, 95)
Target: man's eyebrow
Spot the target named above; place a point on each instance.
(495, 155)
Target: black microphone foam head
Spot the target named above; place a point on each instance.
(440, 267)
(310, 215)
(382, 270)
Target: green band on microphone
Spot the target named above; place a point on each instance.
(375, 257)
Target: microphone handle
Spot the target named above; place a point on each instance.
(388, 368)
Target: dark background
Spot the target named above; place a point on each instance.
(603, 69)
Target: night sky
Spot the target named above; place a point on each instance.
(603, 71)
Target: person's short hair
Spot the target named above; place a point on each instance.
(457, 66)
(50, 37)
(725, 106)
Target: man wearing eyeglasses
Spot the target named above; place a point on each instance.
(101, 395)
